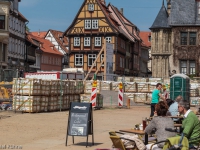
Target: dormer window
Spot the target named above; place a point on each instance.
(90, 7)
(149, 38)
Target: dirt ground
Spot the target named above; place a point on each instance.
(47, 131)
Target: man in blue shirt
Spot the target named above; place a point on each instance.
(173, 109)
(156, 95)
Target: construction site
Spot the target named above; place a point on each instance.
(34, 112)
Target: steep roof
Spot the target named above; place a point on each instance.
(22, 17)
(62, 42)
(125, 21)
(183, 12)
(145, 37)
(113, 22)
(161, 20)
(108, 16)
(122, 28)
(40, 34)
(46, 45)
(104, 9)
(28, 38)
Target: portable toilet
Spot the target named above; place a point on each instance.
(180, 85)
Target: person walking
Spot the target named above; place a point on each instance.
(156, 95)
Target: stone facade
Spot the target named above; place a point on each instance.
(175, 39)
(4, 36)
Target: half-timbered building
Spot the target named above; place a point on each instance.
(51, 58)
(94, 22)
(175, 39)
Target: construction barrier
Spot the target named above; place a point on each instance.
(94, 94)
(120, 95)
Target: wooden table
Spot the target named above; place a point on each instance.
(177, 117)
(177, 125)
(139, 132)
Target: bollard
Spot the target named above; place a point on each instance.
(128, 103)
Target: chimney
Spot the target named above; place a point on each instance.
(169, 6)
(103, 1)
(39, 32)
(122, 11)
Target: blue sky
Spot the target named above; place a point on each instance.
(59, 14)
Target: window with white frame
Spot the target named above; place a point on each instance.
(91, 59)
(183, 67)
(90, 7)
(108, 39)
(192, 67)
(78, 59)
(97, 41)
(187, 66)
(95, 24)
(102, 57)
(86, 41)
(87, 24)
(76, 41)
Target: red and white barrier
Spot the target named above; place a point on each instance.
(120, 95)
(94, 94)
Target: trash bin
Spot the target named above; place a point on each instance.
(180, 85)
(99, 101)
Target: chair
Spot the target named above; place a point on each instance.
(177, 143)
(117, 141)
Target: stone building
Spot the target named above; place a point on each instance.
(176, 38)
(17, 38)
(4, 35)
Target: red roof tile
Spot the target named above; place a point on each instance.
(46, 45)
(40, 34)
(62, 42)
(145, 37)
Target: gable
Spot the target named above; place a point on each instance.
(99, 16)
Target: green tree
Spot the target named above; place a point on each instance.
(27, 28)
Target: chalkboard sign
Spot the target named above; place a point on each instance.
(80, 121)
